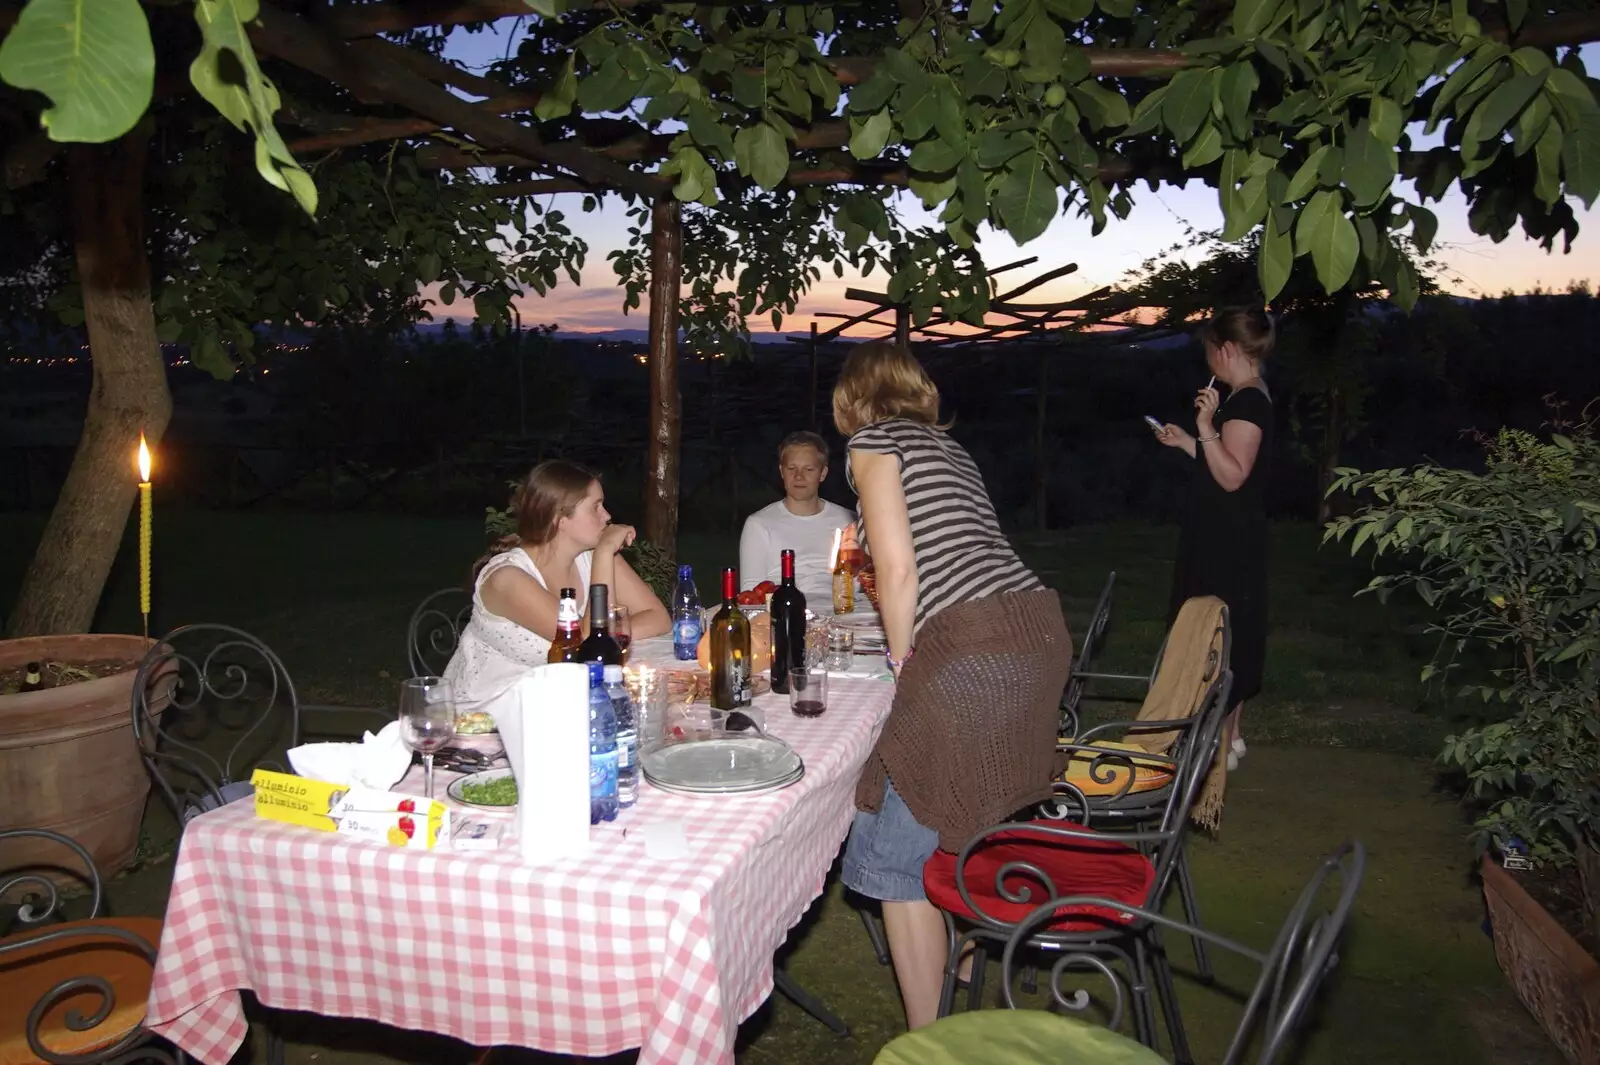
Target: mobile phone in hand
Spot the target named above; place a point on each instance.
(1154, 425)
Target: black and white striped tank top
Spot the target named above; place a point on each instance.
(960, 551)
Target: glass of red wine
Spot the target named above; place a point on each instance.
(808, 691)
(622, 629)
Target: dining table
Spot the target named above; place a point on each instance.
(591, 955)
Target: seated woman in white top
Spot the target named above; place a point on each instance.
(564, 539)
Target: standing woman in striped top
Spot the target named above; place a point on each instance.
(977, 644)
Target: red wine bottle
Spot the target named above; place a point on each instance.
(787, 613)
(598, 646)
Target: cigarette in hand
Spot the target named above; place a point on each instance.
(1212, 383)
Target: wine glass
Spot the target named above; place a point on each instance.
(427, 718)
(622, 629)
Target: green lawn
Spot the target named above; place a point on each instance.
(1340, 742)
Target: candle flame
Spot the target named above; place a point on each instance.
(833, 555)
(144, 460)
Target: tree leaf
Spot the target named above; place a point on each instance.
(1330, 238)
(1386, 120)
(558, 101)
(1404, 292)
(1530, 125)
(707, 132)
(1580, 158)
(1205, 148)
(94, 61)
(1502, 105)
(1276, 260)
(934, 156)
(1424, 225)
(762, 154)
(1026, 200)
(1147, 115)
(1305, 179)
(1547, 156)
(1252, 17)
(1250, 207)
(1239, 83)
(1187, 102)
(873, 93)
(996, 147)
(869, 137)
(248, 102)
(1369, 168)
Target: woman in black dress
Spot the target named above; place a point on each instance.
(1222, 545)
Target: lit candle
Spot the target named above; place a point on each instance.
(144, 532)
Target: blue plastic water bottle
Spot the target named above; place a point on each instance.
(602, 749)
(627, 738)
(685, 616)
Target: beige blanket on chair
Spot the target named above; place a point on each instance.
(1195, 655)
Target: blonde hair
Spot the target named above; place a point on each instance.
(551, 491)
(882, 380)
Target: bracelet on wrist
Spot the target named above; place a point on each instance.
(1208, 439)
(893, 665)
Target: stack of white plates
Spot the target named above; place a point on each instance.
(733, 765)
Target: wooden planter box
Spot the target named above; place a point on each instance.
(1555, 978)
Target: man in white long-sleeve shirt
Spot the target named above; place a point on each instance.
(801, 521)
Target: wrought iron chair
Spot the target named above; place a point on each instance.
(73, 991)
(1088, 647)
(211, 703)
(1120, 788)
(435, 629)
(985, 891)
(1292, 970)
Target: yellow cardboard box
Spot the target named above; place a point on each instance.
(390, 817)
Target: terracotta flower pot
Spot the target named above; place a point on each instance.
(67, 755)
(1555, 978)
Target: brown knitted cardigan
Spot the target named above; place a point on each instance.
(971, 736)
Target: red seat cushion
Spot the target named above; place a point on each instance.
(1102, 868)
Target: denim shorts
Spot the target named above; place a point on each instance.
(887, 848)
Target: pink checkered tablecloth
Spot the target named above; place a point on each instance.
(587, 956)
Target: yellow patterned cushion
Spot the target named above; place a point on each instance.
(1014, 1037)
(1148, 774)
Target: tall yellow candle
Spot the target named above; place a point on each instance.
(144, 529)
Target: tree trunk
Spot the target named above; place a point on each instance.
(1328, 459)
(666, 266)
(128, 394)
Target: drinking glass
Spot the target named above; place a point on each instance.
(622, 629)
(841, 647)
(808, 692)
(427, 718)
(816, 640)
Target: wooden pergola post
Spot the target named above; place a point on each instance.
(666, 403)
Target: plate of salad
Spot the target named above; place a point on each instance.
(492, 789)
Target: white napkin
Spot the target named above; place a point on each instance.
(377, 762)
(544, 721)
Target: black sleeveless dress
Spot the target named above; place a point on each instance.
(1222, 544)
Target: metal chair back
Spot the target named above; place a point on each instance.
(435, 629)
(35, 944)
(212, 703)
(1088, 647)
(1305, 951)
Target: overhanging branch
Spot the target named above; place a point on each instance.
(362, 71)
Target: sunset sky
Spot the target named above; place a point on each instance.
(1159, 219)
